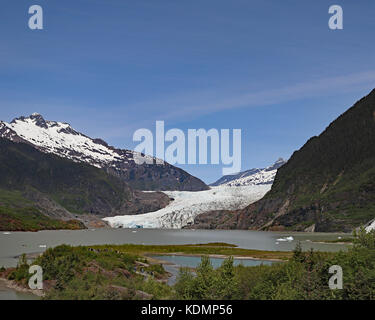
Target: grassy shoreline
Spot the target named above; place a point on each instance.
(14, 285)
(216, 249)
(212, 250)
(129, 271)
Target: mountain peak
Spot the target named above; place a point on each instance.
(39, 120)
(255, 176)
(61, 139)
(278, 163)
(35, 117)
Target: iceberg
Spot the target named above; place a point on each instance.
(290, 238)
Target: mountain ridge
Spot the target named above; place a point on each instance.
(45, 187)
(61, 139)
(255, 176)
(328, 185)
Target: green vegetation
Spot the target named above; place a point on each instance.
(20, 214)
(78, 187)
(21, 273)
(123, 272)
(198, 249)
(305, 276)
(87, 273)
(34, 184)
(329, 182)
(342, 240)
(31, 219)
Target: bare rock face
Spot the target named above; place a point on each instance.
(219, 219)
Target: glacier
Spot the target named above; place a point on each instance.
(186, 205)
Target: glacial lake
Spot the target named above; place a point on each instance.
(13, 244)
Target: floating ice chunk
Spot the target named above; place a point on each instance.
(285, 239)
(42, 246)
(6, 232)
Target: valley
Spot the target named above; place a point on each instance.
(124, 236)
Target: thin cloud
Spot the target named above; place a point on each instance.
(195, 105)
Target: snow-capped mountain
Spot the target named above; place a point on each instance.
(187, 205)
(61, 139)
(252, 177)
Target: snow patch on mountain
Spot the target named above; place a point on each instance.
(187, 205)
(261, 177)
(264, 176)
(61, 139)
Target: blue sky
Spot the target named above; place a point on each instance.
(108, 67)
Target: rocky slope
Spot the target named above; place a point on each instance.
(252, 177)
(61, 139)
(37, 190)
(327, 185)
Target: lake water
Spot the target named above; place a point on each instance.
(193, 262)
(175, 262)
(10, 294)
(16, 243)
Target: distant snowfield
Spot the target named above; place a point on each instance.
(187, 205)
(261, 177)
